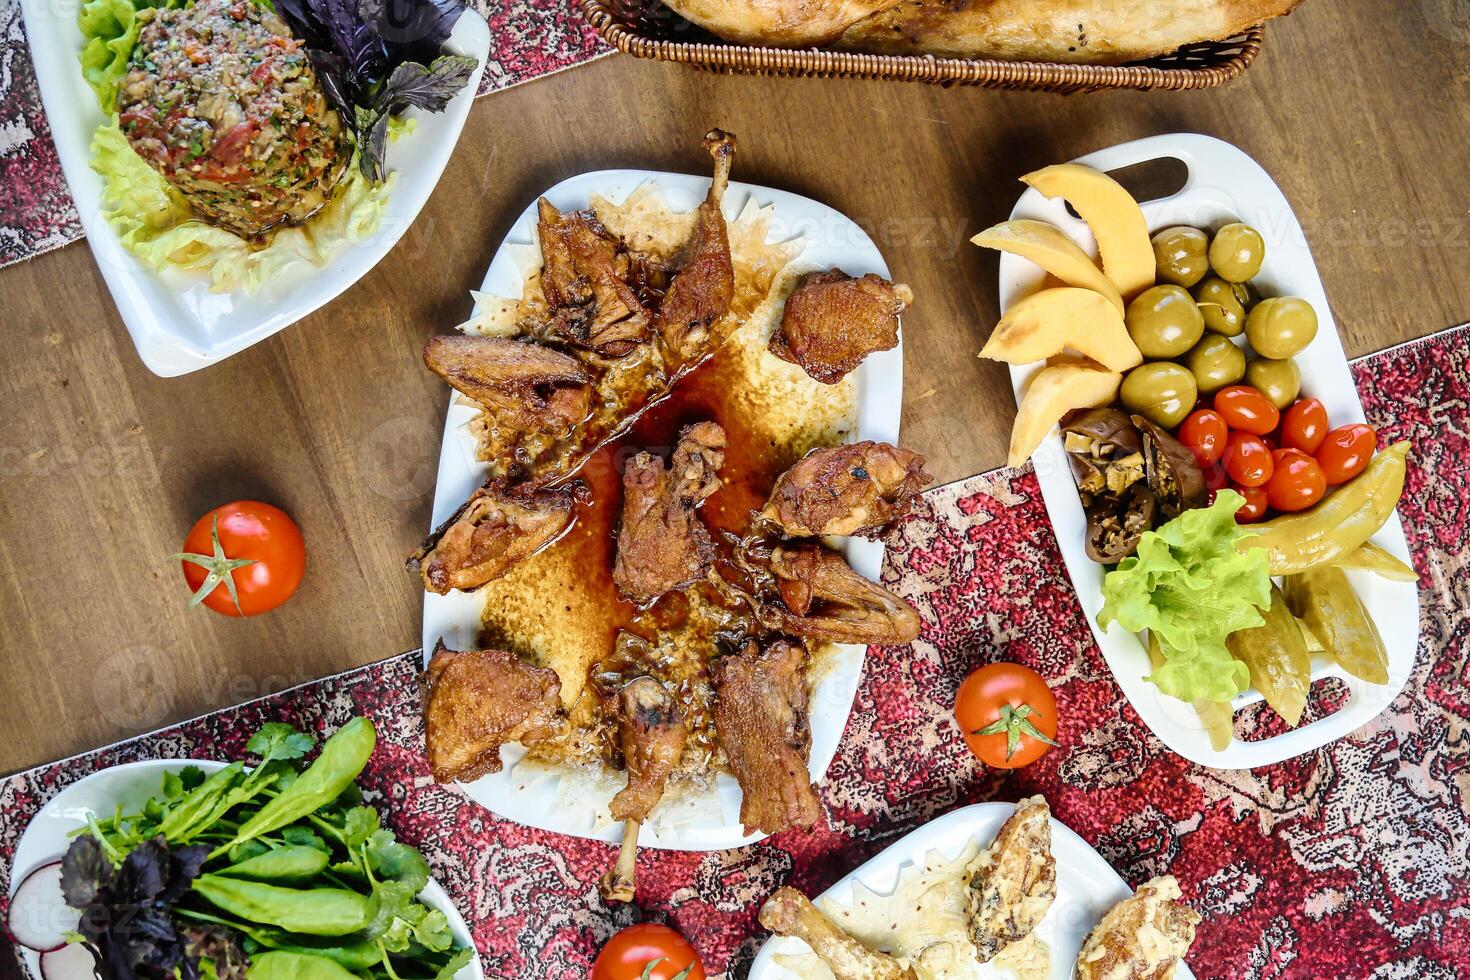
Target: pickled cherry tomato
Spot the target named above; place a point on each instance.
(1254, 507)
(1215, 478)
(1304, 426)
(1247, 410)
(1205, 432)
(1247, 459)
(1345, 451)
(1297, 482)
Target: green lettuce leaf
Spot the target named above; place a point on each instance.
(1189, 586)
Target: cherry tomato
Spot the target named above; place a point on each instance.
(1247, 410)
(1345, 451)
(255, 546)
(1205, 432)
(647, 951)
(1304, 426)
(1254, 508)
(1298, 482)
(1007, 714)
(1248, 460)
(1215, 478)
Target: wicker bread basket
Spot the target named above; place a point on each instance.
(648, 29)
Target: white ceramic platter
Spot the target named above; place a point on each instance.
(1087, 886)
(177, 324)
(832, 240)
(1223, 185)
(130, 785)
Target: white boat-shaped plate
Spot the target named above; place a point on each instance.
(1223, 185)
(1087, 886)
(177, 324)
(832, 241)
(130, 785)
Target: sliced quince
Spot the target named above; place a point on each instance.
(1054, 320)
(1115, 218)
(1049, 247)
(1053, 392)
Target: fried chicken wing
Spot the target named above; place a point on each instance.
(477, 701)
(760, 714)
(585, 279)
(1140, 938)
(651, 733)
(858, 489)
(701, 290)
(790, 913)
(1013, 881)
(499, 526)
(662, 545)
(822, 598)
(525, 386)
(832, 321)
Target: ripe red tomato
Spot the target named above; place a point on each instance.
(1304, 426)
(1345, 451)
(1298, 482)
(255, 546)
(1248, 460)
(647, 951)
(1205, 432)
(1215, 478)
(1254, 508)
(1247, 410)
(1007, 714)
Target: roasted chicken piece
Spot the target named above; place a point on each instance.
(477, 701)
(497, 527)
(760, 711)
(651, 733)
(662, 545)
(585, 279)
(790, 913)
(832, 321)
(704, 285)
(1013, 881)
(822, 598)
(523, 386)
(858, 489)
(1142, 937)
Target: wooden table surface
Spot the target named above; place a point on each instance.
(1361, 112)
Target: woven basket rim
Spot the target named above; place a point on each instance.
(1237, 54)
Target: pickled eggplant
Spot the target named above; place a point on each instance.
(1277, 657)
(1172, 471)
(1106, 454)
(1217, 717)
(1323, 599)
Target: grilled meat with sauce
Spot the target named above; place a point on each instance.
(223, 102)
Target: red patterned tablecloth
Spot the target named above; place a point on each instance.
(1347, 862)
(529, 39)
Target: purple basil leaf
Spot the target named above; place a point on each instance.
(431, 88)
(416, 30)
(85, 871)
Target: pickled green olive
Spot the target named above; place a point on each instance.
(1164, 321)
(1162, 392)
(1181, 255)
(1236, 252)
(1222, 311)
(1215, 362)
(1280, 381)
(1281, 327)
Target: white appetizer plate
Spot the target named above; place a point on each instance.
(130, 785)
(177, 324)
(1087, 887)
(1223, 185)
(832, 240)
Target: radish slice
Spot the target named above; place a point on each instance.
(74, 961)
(39, 916)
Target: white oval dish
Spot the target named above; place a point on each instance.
(1224, 184)
(50, 831)
(177, 324)
(832, 240)
(1087, 886)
